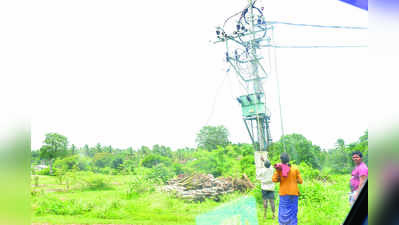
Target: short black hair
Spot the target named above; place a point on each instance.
(357, 153)
(267, 164)
(284, 157)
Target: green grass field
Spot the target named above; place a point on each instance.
(321, 203)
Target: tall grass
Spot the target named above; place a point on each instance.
(320, 202)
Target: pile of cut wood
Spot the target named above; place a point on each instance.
(197, 187)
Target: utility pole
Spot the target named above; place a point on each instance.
(245, 34)
(242, 34)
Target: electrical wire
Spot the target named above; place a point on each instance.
(316, 25)
(314, 46)
(278, 95)
(214, 100)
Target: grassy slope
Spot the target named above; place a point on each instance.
(328, 205)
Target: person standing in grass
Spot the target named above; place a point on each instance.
(265, 176)
(289, 177)
(359, 176)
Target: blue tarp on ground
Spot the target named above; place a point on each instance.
(238, 212)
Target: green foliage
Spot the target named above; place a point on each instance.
(36, 181)
(248, 166)
(135, 201)
(307, 172)
(128, 166)
(55, 145)
(340, 158)
(162, 151)
(247, 149)
(177, 168)
(208, 162)
(107, 171)
(73, 162)
(137, 185)
(109, 210)
(116, 162)
(160, 172)
(45, 171)
(134, 194)
(35, 157)
(102, 159)
(299, 149)
(152, 160)
(313, 191)
(55, 206)
(209, 137)
(93, 181)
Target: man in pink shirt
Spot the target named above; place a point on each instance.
(359, 175)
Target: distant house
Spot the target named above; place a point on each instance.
(40, 167)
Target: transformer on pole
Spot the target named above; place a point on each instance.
(245, 34)
(242, 33)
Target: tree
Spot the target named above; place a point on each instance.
(99, 148)
(162, 150)
(102, 159)
(55, 145)
(73, 149)
(209, 137)
(299, 149)
(86, 151)
(340, 144)
(152, 160)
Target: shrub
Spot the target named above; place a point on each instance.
(139, 185)
(94, 181)
(152, 160)
(36, 181)
(106, 170)
(160, 173)
(309, 173)
(45, 171)
(52, 205)
(60, 175)
(248, 167)
(313, 191)
(177, 168)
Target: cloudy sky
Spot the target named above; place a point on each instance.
(133, 73)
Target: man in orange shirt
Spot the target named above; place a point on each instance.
(289, 177)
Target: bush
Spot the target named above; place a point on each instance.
(93, 181)
(106, 170)
(248, 166)
(152, 160)
(139, 185)
(60, 175)
(45, 171)
(52, 205)
(178, 168)
(36, 181)
(309, 173)
(108, 211)
(313, 191)
(160, 173)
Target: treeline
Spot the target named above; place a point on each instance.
(215, 154)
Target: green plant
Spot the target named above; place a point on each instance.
(45, 171)
(138, 185)
(36, 181)
(93, 181)
(160, 173)
(52, 205)
(60, 175)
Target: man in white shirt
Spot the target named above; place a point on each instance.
(265, 175)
